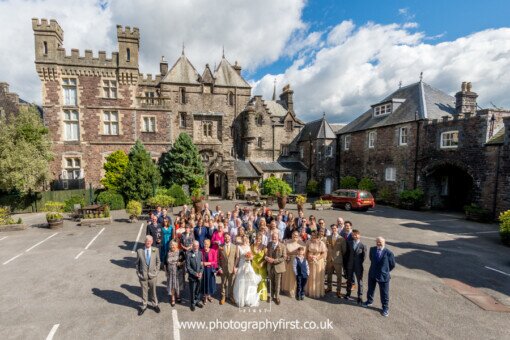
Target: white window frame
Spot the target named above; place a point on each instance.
(329, 151)
(149, 124)
(402, 135)
(372, 135)
(72, 168)
(111, 123)
(390, 174)
(446, 141)
(71, 125)
(301, 152)
(110, 88)
(149, 97)
(207, 127)
(70, 91)
(382, 110)
(347, 142)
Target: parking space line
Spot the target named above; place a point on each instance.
(29, 249)
(52, 332)
(175, 320)
(498, 271)
(90, 243)
(3, 238)
(137, 237)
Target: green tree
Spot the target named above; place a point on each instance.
(141, 174)
(348, 182)
(273, 186)
(115, 167)
(182, 164)
(25, 152)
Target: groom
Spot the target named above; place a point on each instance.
(195, 269)
(228, 266)
(276, 254)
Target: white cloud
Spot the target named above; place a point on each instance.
(362, 65)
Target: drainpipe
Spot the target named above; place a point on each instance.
(496, 182)
(416, 151)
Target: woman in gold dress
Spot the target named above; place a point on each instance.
(289, 278)
(259, 265)
(316, 254)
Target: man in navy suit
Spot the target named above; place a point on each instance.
(356, 252)
(201, 233)
(382, 262)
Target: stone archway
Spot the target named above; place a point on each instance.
(217, 184)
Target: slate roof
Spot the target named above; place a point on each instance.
(318, 129)
(498, 138)
(207, 76)
(182, 72)
(294, 165)
(271, 167)
(275, 108)
(244, 169)
(337, 127)
(226, 75)
(419, 98)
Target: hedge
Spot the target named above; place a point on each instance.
(114, 200)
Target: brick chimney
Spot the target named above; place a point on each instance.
(286, 97)
(465, 100)
(163, 66)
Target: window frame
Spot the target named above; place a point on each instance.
(109, 88)
(390, 174)
(347, 145)
(182, 95)
(284, 150)
(382, 110)
(207, 127)
(70, 85)
(371, 141)
(442, 139)
(72, 121)
(109, 122)
(400, 135)
(182, 120)
(74, 168)
(289, 126)
(144, 124)
(260, 142)
(328, 152)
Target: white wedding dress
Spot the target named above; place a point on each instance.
(246, 282)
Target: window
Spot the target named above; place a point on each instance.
(402, 136)
(230, 99)
(390, 174)
(110, 123)
(450, 140)
(128, 54)
(329, 151)
(402, 185)
(72, 169)
(285, 150)
(371, 139)
(182, 95)
(260, 120)
(288, 125)
(149, 98)
(260, 142)
(207, 127)
(110, 88)
(45, 47)
(72, 125)
(149, 124)
(182, 119)
(347, 142)
(301, 152)
(69, 86)
(382, 110)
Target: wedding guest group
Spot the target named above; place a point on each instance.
(255, 255)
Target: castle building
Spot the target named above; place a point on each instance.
(95, 105)
(10, 102)
(421, 137)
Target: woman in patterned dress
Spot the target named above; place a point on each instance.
(175, 273)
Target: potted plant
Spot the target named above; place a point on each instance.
(160, 200)
(134, 209)
(276, 187)
(300, 201)
(55, 219)
(476, 213)
(241, 191)
(321, 204)
(7, 223)
(197, 197)
(504, 227)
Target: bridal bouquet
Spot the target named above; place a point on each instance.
(249, 256)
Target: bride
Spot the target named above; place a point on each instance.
(246, 281)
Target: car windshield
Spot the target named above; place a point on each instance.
(364, 194)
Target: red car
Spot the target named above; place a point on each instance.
(351, 199)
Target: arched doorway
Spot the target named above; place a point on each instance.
(328, 185)
(217, 184)
(449, 186)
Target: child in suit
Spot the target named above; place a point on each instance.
(301, 270)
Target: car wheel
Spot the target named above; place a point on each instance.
(347, 206)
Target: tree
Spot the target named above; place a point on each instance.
(141, 175)
(348, 182)
(115, 167)
(182, 164)
(25, 152)
(273, 186)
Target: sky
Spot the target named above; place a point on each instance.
(338, 56)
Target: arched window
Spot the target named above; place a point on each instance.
(230, 99)
(45, 47)
(259, 120)
(128, 54)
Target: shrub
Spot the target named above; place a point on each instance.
(348, 182)
(163, 201)
(504, 227)
(134, 208)
(367, 184)
(477, 213)
(106, 211)
(276, 187)
(197, 195)
(241, 189)
(312, 187)
(300, 199)
(53, 216)
(384, 195)
(52, 206)
(111, 198)
(115, 167)
(178, 194)
(321, 201)
(5, 216)
(412, 198)
(70, 202)
(254, 187)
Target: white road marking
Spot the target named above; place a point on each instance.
(29, 249)
(499, 271)
(3, 238)
(90, 243)
(175, 320)
(35, 245)
(137, 237)
(52, 332)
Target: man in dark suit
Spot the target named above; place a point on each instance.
(382, 262)
(201, 233)
(195, 269)
(154, 230)
(300, 221)
(164, 216)
(356, 254)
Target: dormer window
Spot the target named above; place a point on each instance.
(381, 110)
